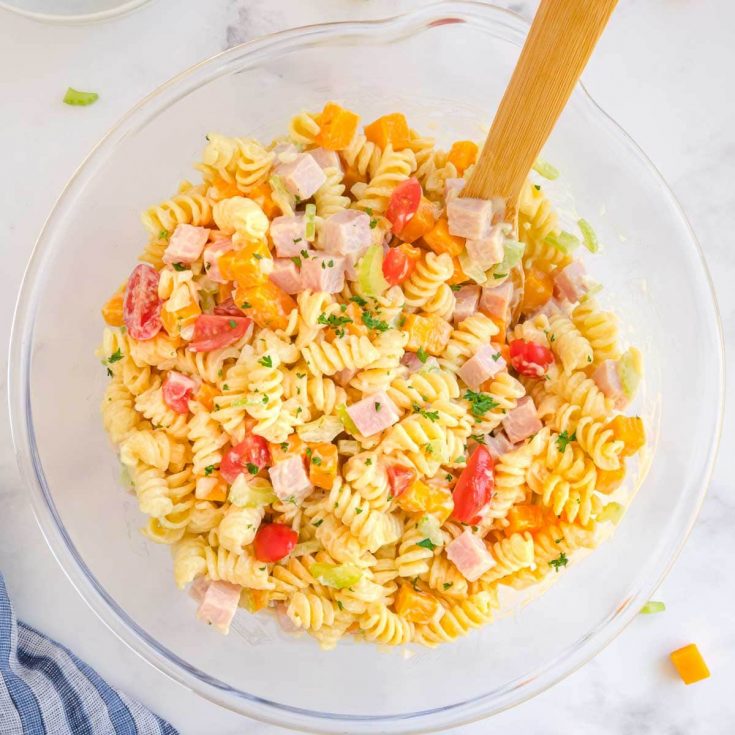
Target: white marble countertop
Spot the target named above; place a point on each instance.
(663, 71)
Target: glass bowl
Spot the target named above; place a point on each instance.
(654, 275)
(71, 11)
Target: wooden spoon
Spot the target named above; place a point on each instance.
(559, 44)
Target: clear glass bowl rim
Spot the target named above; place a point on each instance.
(123, 9)
(472, 12)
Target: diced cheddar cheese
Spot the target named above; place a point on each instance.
(462, 154)
(609, 480)
(537, 290)
(284, 450)
(630, 431)
(440, 241)
(323, 465)
(690, 664)
(246, 265)
(420, 497)
(417, 607)
(423, 221)
(523, 518)
(430, 333)
(337, 127)
(112, 311)
(391, 129)
(268, 305)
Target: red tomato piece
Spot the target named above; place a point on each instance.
(274, 541)
(403, 203)
(250, 453)
(142, 307)
(474, 488)
(529, 358)
(400, 478)
(213, 332)
(228, 308)
(177, 389)
(396, 266)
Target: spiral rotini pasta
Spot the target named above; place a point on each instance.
(333, 422)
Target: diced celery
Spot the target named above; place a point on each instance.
(251, 494)
(564, 241)
(126, 479)
(310, 231)
(612, 512)
(323, 430)
(75, 97)
(652, 606)
(630, 370)
(370, 276)
(545, 169)
(589, 237)
(346, 420)
(338, 576)
(429, 526)
(512, 254)
(471, 269)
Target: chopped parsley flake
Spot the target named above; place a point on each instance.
(298, 239)
(284, 446)
(266, 361)
(179, 267)
(421, 354)
(479, 438)
(427, 543)
(109, 373)
(480, 403)
(358, 511)
(265, 398)
(373, 223)
(252, 468)
(368, 461)
(297, 261)
(316, 460)
(358, 300)
(498, 276)
(377, 406)
(232, 323)
(115, 356)
(562, 561)
(447, 585)
(431, 415)
(372, 322)
(245, 305)
(318, 522)
(305, 254)
(164, 235)
(455, 287)
(448, 477)
(563, 439)
(209, 470)
(340, 605)
(335, 322)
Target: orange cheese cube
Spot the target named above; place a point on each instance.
(428, 332)
(462, 154)
(523, 518)
(440, 241)
(391, 129)
(423, 221)
(112, 311)
(337, 127)
(417, 607)
(420, 497)
(323, 464)
(266, 304)
(690, 664)
(630, 431)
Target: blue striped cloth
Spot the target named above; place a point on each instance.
(46, 690)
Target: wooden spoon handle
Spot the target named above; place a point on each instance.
(559, 44)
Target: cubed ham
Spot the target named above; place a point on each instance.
(286, 276)
(484, 364)
(324, 273)
(343, 377)
(452, 188)
(498, 445)
(325, 158)
(186, 244)
(374, 413)
(495, 302)
(414, 364)
(607, 379)
(289, 479)
(488, 251)
(219, 604)
(522, 421)
(569, 282)
(470, 218)
(302, 176)
(470, 555)
(211, 253)
(289, 235)
(467, 299)
(198, 588)
(347, 233)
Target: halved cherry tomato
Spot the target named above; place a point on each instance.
(403, 203)
(228, 308)
(400, 478)
(213, 332)
(142, 307)
(177, 389)
(529, 358)
(274, 541)
(396, 266)
(251, 452)
(475, 486)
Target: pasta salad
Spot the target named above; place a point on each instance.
(344, 393)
